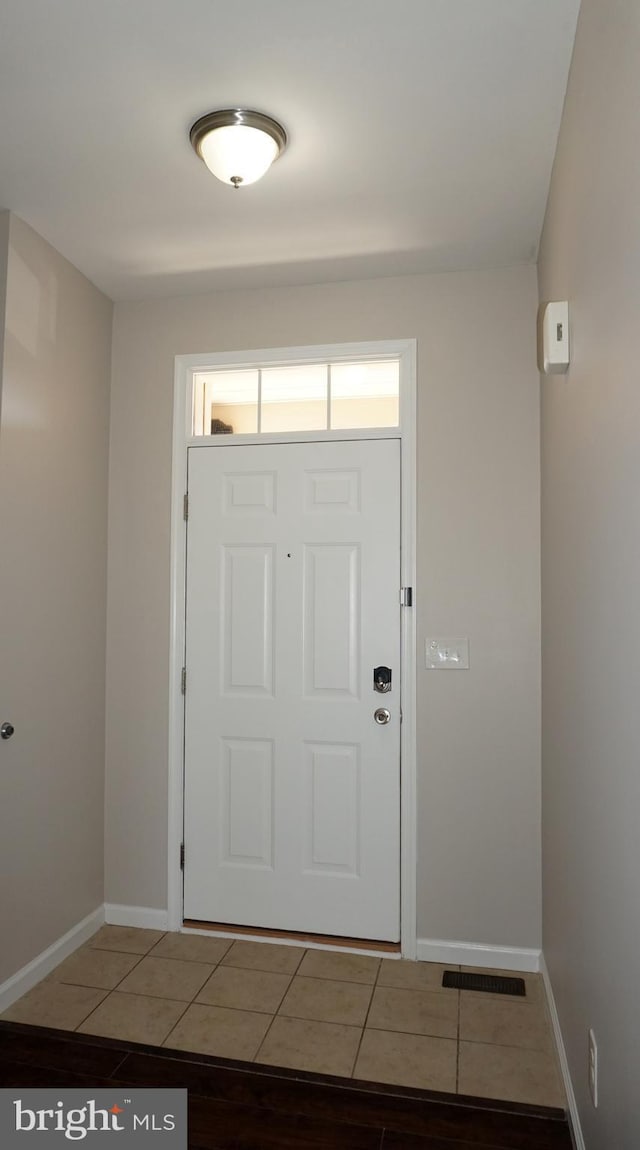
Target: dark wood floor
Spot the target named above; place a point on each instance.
(243, 1106)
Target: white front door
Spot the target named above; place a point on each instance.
(292, 789)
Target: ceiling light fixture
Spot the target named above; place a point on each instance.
(238, 145)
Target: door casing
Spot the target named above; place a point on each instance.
(185, 368)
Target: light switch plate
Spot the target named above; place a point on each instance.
(447, 654)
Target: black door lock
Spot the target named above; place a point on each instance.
(382, 679)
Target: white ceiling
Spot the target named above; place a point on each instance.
(422, 134)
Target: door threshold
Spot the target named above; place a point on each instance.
(315, 941)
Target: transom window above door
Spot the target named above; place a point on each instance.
(299, 397)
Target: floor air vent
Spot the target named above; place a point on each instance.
(487, 983)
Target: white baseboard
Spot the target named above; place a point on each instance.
(39, 967)
(117, 914)
(477, 954)
(562, 1055)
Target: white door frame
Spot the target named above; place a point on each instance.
(185, 368)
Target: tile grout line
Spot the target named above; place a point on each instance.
(259, 969)
(249, 1009)
(92, 1011)
(374, 987)
(275, 1014)
(108, 990)
(161, 1045)
(294, 975)
(187, 1005)
(113, 988)
(264, 1038)
(315, 977)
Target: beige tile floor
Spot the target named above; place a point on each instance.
(383, 1020)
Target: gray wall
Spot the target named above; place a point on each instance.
(591, 573)
(53, 502)
(478, 546)
(5, 220)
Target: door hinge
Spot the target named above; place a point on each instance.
(181, 856)
(185, 507)
(183, 681)
(406, 596)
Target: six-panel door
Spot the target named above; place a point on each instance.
(292, 790)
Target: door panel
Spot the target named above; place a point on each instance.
(333, 808)
(331, 619)
(246, 802)
(247, 610)
(291, 789)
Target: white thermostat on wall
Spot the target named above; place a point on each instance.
(555, 337)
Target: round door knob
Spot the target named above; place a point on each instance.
(382, 716)
(6, 730)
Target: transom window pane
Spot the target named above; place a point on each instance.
(365, 394)
(226, 403)
(301, 397)
(294, 398)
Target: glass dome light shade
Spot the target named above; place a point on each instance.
(238, 153)
(237, 145)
